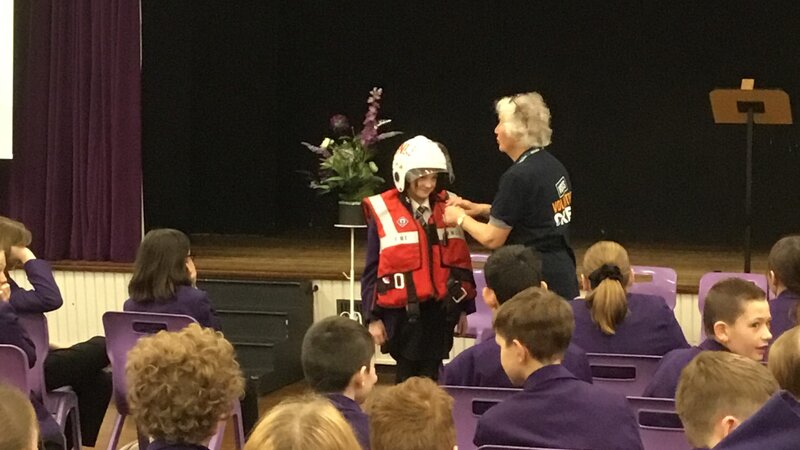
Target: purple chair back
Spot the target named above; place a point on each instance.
(659, 426)
(35, 324)
(469, 403)
(708, 280)
(480, 323)
(479, 257)
(14, 369)
(123, 330)
(623, 374)
(664, 283)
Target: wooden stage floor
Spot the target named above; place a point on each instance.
(326, 255)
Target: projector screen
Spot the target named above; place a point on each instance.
(6, 76)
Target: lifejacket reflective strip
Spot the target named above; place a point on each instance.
(452, 233)
(391, 237)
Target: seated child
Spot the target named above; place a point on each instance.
(611, 320)
(20, 431)
(784, 281)
(718, 391)
(736, 318)
(180, 384)
(413, 415)
(784, 360)
(337, 362)
(554, 409)
(80, 366)
(509, 270)
(305, 422)
(163, 279)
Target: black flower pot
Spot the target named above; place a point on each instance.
(351, 213)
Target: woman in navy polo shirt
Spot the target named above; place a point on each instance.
(533, 204)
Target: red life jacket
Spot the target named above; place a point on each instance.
(411, 267)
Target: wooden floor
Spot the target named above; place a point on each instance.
(265, 403)
(326, 255)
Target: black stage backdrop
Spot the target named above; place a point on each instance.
(231, 88)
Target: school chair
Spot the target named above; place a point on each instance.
(479, 258)
(623, 374)
(62, 402)
(708, 280)
(663, 282)
(659, 425)
(123, 330)
(479, 322)
(469, 403)
(14, 371)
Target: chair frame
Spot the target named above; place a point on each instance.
(463, 399)
(62, 402)
(645, 365)
(169, 322)
(658, 438)
(664, 283)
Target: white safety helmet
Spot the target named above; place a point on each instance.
(416, 157)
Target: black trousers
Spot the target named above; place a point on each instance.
(407, 368)
(82, 367)
(558, 271)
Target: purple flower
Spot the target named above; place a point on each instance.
(339, 125)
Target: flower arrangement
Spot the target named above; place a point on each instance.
(346, 163)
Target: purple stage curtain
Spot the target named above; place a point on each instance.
(76, 175)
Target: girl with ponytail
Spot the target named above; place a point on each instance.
(611, 320)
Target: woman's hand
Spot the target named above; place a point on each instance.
(378, 332)
(451, 215)
(471, 208)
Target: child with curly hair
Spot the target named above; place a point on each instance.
(180, 384)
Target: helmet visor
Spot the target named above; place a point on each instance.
(413, 174)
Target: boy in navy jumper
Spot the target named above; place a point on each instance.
(717, 392)
(736, 318)
(554, 409)
(784, 282)
(509, 270)
(337, 357)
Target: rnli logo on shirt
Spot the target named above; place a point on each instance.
(562, 209)
(402, 221)
(561, 186)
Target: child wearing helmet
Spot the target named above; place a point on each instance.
(417, 284)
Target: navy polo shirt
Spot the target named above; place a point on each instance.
(535, 199)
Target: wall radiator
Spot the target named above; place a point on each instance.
(87, 295)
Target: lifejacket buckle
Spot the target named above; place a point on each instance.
(399, 281)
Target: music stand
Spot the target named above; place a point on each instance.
(750, 106)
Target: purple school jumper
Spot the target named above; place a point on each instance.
(665, 381)
(354, 415)
(187, 300)
(163, 445)
(556, 410)
(782, 310)
(649, 328)
(43, 298)
(776, 426)
(480, 365)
